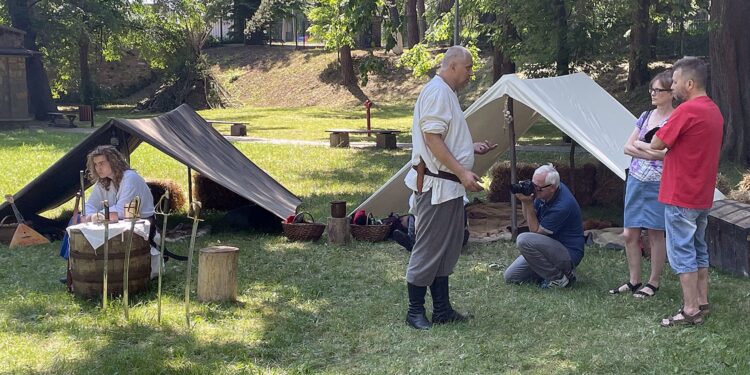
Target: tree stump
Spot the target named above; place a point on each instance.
(338, 231)
(238, 130)
(217, 273)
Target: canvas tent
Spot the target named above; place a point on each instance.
(573, 103)
(181, 134)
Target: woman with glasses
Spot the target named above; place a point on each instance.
(642, 208)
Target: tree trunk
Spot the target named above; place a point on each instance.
(347, 66)
(86, 86)
(730, 77)
(562, 52)
(412, 29)
(501, 61)
(639, 45)
(444, 6)
(40, 94)
(394, 38)
(421, 20)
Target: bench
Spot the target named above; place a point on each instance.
(384, 138)
(238, 128)
(54, 116)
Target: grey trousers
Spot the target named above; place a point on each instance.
(440, 232)
(542, 258)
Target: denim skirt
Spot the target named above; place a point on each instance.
(642, 207)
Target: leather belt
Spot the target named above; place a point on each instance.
(422, 170)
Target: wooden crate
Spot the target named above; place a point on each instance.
(728, 237)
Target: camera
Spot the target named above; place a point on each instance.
(525, 187)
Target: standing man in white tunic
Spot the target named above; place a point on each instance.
(442, 157)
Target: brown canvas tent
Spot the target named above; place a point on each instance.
(181, 134)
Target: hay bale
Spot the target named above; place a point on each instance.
(742, 196)
(609, 189)
(585, 182)
(500, 185)
(723, 184)
(214, 196)
(744, 184)
(176, 194)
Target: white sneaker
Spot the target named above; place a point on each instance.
(559, 283)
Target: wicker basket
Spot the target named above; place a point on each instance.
(303, 231)
(372, 233)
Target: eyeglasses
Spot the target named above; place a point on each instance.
(658, 91)
(540, 188)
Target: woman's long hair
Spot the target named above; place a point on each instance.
(116, 161)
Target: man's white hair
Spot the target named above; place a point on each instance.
(552, 177)
(452, 54)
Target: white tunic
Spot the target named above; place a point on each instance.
(438, 111)
(132, 185)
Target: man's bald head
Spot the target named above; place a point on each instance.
(456, 67)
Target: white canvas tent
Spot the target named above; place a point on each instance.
(573, 103)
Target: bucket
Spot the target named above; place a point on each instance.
(87, 266)
(338, 209)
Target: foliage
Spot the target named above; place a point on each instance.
(337, 22)
(4, 16)
(369, 64)
(270, 10)
(421, 60)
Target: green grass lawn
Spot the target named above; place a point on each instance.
(308, 308)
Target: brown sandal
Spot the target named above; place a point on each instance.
(683, 319)
(641, 294)
(627, 285)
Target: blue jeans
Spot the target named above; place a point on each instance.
(687, 249)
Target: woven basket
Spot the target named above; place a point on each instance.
(372, 233)
(303, 231)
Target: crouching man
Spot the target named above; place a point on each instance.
(553, 247)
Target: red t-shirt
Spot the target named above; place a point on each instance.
(693, 134)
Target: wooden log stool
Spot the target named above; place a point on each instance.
(338, 231)
(217, 273)
(386, 141)
(238, 130)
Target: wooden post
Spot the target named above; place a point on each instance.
(338, 231)
(217, 273)
(513, 176)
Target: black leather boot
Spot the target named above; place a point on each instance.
(416, 317)
(442, 310)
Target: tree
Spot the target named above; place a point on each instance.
(562, 52)
(730, 75)
(40, 94)
(338, 22)
(639, 45)
(412, 27)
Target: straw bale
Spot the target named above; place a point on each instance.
(214, 196)
(500, 185)
(744, 184)
(585, 182)
(609, 189)
(742, 196)
(723, 184)
(176, 194)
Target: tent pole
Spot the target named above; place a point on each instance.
(513, 175)
(190, 186)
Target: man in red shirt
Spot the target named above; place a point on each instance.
(692, 136)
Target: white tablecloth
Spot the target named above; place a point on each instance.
(94, 233)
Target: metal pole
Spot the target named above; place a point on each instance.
(513, 176)
(195, 207)
(456, 26)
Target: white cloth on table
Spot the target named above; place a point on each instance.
(94, 233)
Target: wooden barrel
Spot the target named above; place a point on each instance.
(87, 266)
